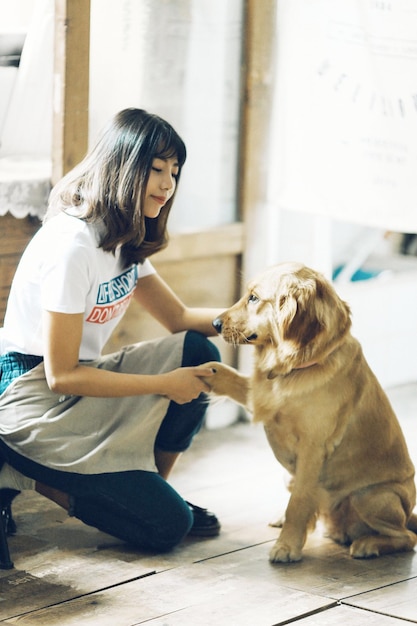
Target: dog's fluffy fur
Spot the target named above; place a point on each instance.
(325, 415)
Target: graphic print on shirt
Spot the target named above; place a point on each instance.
(113, 297)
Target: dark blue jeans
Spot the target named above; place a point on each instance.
(136, 506)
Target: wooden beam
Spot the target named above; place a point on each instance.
(71, 85)
(257, 92)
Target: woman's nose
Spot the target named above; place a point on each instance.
(168, 182)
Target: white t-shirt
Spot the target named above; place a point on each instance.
(63, 270)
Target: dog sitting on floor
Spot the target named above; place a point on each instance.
(326, 417)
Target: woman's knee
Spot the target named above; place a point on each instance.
(149, 515)
(170, 531)
(198, 349)
(159, 535)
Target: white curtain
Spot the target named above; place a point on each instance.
(181, 60)
(344, 139)
(26, 129)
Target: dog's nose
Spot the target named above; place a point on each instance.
(217, 323)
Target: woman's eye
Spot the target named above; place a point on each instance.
(253, 298)
(156, 169)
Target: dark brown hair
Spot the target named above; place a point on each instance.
(108, 186)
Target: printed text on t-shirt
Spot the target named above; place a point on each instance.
(113, 297)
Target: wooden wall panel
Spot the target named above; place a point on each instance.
(257, 93)
(14, 236)
(71, 85)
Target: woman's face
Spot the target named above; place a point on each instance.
(161, 185)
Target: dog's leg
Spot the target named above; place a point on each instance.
(382, 510)
(412, 523)
(301, 510)
(226, 381)
(299, 517)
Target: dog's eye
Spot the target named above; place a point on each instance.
(253, 298)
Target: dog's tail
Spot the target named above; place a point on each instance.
(412, 523)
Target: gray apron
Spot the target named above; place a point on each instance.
(85, 434)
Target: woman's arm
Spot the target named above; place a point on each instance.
(163, 304)
(64, 374)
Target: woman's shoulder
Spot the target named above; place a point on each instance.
(62, 237)
(66, 223)
(68, 229)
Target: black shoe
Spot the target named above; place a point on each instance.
(6, 497)
(205, 523)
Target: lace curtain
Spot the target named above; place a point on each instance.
(24, 186)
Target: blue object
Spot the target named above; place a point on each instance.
(360, 274)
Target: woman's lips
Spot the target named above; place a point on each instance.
(159, 199)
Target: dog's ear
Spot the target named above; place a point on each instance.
(298, 309)
(307, 305)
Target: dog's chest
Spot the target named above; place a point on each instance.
(292, 420)
(275, 400)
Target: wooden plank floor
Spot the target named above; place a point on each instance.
(69, 574)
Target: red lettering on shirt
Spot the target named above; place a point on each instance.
(103, 314)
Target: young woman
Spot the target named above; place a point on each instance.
(98, 434)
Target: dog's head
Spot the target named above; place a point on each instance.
(292, 314)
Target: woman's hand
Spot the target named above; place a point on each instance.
(185, 383)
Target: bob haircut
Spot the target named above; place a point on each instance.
(108, 187)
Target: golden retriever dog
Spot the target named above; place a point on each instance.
(326, 417)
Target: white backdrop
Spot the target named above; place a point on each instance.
(344, 140)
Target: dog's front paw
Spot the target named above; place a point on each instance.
(283, 553)
(219, 381)
(226, 381)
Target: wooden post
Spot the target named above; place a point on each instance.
(257, 92)
(71, 85)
